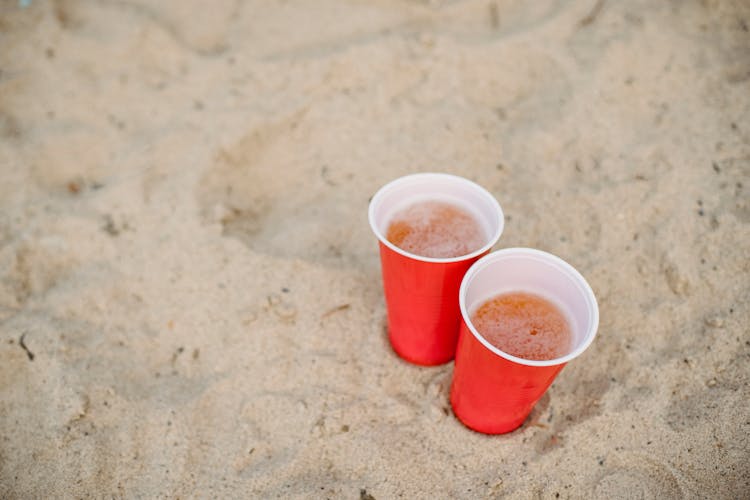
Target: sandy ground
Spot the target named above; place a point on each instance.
(190, 295)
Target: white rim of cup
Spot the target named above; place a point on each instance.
(561, 265)
(480, 190)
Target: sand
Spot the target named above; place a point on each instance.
(190, 295)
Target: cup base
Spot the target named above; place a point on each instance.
(487, 428)
(416, 360)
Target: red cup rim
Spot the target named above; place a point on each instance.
(482, 191)
(563, 266)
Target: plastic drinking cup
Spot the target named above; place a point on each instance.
(492, 391)
(421, 293)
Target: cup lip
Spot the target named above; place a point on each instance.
(486, 194)
(563, 266)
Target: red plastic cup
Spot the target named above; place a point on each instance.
(421, 293)
(493, 392)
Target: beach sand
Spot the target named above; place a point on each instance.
(190, 294)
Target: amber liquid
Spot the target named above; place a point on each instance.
(524, 325)
(436, 229)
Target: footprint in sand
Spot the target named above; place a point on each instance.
(32, 266)
(479, 20)
(638, 477)
(194, 24)
(265, 193)
(253, 440)
(471, 21)
(199, 26)
(732, 175)
(71, 161)
(297, 185)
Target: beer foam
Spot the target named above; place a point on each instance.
(524, 325)
(436, 229)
